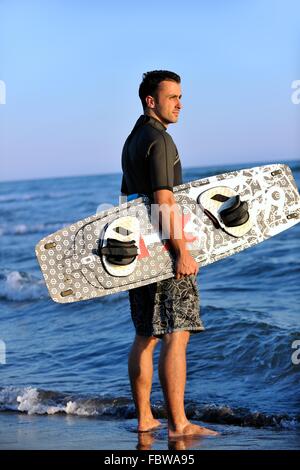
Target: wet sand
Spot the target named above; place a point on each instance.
(25, 432)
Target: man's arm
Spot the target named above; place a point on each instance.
(171, 218)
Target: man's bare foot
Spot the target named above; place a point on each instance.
(184, 442)
(145, 441)
(147, 425)
(190, 429)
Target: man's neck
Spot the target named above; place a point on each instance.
(152, 114)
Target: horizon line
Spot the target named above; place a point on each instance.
(267, 162)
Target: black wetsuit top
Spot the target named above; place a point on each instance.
(150, 159)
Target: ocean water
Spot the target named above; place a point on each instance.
(72, 359)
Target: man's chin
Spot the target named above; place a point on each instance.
(174, 119)
(170, 120)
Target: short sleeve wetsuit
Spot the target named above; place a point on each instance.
(150, 162)
(150, 159)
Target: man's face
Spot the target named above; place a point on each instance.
(167, 103)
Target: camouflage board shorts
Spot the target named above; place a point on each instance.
(166, 306)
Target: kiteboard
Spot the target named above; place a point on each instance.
(124, 247)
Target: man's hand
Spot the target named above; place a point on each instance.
(185, 265)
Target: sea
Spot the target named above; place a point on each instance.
(70, 360)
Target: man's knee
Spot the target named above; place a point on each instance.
(146, 342)
(180, 337)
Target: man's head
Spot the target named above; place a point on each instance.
(160, 94)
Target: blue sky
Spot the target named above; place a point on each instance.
(72, 71)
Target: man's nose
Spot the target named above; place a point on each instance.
(179, 104)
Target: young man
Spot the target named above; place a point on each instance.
(169, 309)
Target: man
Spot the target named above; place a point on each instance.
(167, 310)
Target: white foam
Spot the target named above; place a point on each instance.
(8, 397)
(60, 195)
(20, 286)
(289, 424)
(16, 197)
(30, 403)
(73, 408)
(23, 229)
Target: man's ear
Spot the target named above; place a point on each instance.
(150, 101)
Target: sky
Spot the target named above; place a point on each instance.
(71, 71)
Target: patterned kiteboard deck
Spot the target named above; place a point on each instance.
(73, 269)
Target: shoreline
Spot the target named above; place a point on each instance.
(19, 431)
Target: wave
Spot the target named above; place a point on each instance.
(295, 166)
(32, 401)
(25, 229)
(15, 197)
(18, 286)
(19, 197)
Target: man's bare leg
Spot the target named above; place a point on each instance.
(172, 374)
(140, 368)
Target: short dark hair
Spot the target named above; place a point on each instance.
(151, 80)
